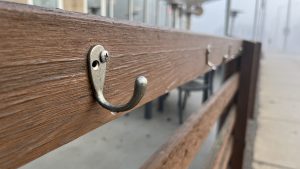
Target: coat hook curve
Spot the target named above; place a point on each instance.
(97, 59)
(207, 54)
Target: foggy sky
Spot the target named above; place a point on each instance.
(213, 19)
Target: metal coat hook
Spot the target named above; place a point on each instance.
(227, 56)
(208, 62)
(97, 60)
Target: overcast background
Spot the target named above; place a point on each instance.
(213, 20)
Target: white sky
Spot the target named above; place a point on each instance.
(213, 18)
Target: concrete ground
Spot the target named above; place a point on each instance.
(277, 141)
(126, 142)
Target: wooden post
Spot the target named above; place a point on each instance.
(254, 80)
(244, 103)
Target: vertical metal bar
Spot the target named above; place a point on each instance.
(180, 106)
(146, 13)
(174, 13)
(167, 17)
(130, 10)
(188, 21)
(227, 17)
(85, 6)
(246, 83)
(157, 13)
(263, 17)
(231, 26)
(287, 24)
(111, 8)
(60, 4)
(148, 110)
(255, 21)
(103, 7)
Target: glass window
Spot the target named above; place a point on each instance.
(169, 16)
(151, 9)
(74, 5)
(177, 18)
(46, 3)
(162, 13)
(94, 7)
(184, 21)
(110, 8)
(121, 9)
(138, 10)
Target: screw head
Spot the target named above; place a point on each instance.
(104, 55)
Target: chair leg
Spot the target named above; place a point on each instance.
(206, 91)
(161, 101)
(211, 85)
(148, 111)
(205, 95)
(186, 94)
(180, 111)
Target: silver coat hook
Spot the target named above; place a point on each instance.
(97, 59)
(227, 56)
(208, 62)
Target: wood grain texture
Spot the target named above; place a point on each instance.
(244, 103)
(45, 95)
(227, 154)
(220, 146)
(254, 80)
(180, 150)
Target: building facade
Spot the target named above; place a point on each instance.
(163, 13)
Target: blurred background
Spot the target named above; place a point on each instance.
(275, 23)
(134, 137)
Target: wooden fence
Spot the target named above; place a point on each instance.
(46, 99)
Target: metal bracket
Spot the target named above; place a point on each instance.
(97, 60)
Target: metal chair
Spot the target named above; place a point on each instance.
(160, 106)
(204, 84)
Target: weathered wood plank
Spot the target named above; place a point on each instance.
(244, 103)
(220, 146)
(227, 154)
(181, 148)
(254, 79)
(45, 95)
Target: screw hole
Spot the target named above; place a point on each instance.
(95, 65)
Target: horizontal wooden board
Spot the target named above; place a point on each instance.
(45, 95)
(220, 147)
(227, 154)
(181, 148)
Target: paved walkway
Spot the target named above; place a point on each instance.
(127, 142)
(277, 142)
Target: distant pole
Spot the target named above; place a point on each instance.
(227, 17)
(277, 22)
(233, 14)
(287, 25)
(231, 25)
(255, 21)
(263, 18)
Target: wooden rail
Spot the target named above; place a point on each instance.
(45, 94)
(221, 147)
(181, 149)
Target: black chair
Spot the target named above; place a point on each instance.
(204, 84)
(160, 106)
